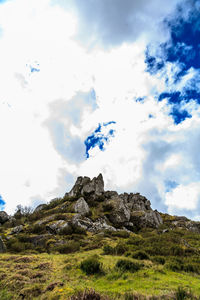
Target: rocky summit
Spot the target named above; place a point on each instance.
(134, 252)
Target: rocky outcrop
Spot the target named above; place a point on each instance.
(125, 210)
(3, 217)
(84, 185)
(81, 207)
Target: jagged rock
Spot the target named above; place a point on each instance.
(138, 202)
(3, 217)
(2, 246)
(110, 194)
(120, 212)
(84, 185)
(148, 218)
(81, 207)
(54, 228)
(17, 229)
(40, 207)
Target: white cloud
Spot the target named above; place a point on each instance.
(183, 197)
(46, 116)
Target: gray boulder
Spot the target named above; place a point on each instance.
(2, 246)
(148, 218)
(17, 229)
(56, 227)
(40, 207)
(81, 207)
(99, 225)
(3, 217)
(120, 212)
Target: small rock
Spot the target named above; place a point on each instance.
(17, 229)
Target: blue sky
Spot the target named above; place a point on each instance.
(104, 86)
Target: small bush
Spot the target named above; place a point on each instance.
(181, 294)
(177, 250)
(127, 265)
(158, 259)
(121, 234)
(108, 250)
(140, 255)
(174, 265)
(70, 247)
(191, 267)
(107, 207)
(16, 246)
(91, 266)
(37, 228)
(120, 249)
(135, 240)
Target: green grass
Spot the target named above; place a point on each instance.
(35, 273)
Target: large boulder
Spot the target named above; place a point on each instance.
(99, 225)
(2, 246)
(148, 218)
(81, 207)
(56, 227)
(3, 217)
(120, 212)
(84, 185)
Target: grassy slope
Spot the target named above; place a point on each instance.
(55, 276)
(33, 274)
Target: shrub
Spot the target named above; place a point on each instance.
(181, 294)
(176, 250)
(70, 247)
(37, 228)
(135, 240)
(107, 207)
(16, 246)
(121, 233)
(127, 265)
(91, 266)
(67, 230)
(70, 229)
(191, 267)
(174, 265)
(107, 249)
(120, 249)
(140, 255)
(159, 260)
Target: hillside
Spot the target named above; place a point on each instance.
(114, 244)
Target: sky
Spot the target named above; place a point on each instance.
(100, 86)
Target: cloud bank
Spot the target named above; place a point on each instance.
(98, 86)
